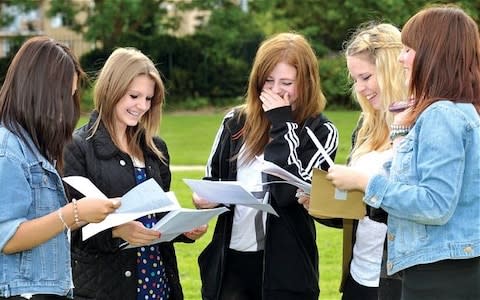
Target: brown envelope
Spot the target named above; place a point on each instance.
(328, 202)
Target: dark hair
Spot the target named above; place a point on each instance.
(36, 96)
(447, 62)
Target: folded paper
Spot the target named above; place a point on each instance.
(180, 221)
(144, 199)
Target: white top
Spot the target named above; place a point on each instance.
(244, 237)
(370, 235)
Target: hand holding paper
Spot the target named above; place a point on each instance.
(145, 198)
(180, 221)
(227, 192)
(347, 178)
(135, 233)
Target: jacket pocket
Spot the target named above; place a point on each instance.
(408, 235)
(45, 190)
(402, 162)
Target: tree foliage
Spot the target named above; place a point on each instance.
(114, 22)
(214, 63)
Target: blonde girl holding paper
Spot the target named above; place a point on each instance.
(118, 149)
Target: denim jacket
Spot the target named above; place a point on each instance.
(432, 195)
(31, 188)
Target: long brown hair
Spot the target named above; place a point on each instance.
(293, 49)
(447, 62)
(121, 67)
(36, 96)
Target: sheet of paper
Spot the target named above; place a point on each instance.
(85, 186)
(145, 198)
(273, 169)
(182, 220)
(227, 192)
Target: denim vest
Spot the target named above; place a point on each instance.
(432, 194)
(31, 188)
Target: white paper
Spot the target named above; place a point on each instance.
(320, 147)
(180, 221)
(227, 192)
(273, 169)
(85, 186)
(145, 198)
(339, 194)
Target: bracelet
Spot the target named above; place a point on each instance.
(60, 216)
(75, 212)
(397, 133)
(399, 127)
(398, 130)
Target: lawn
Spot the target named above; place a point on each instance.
(189, 138)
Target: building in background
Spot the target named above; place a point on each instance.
(36, 22)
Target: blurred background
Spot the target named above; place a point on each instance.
(204, 48)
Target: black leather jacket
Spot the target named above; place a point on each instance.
(100, 269)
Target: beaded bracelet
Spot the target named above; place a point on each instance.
(60, 215)
(75, 212)
(398, 130)
(400, 127)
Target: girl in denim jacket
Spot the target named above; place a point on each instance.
(432, 194)
(39, 107)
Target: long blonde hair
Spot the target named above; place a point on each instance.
(121, 67)
(380, 45)
(293, 49)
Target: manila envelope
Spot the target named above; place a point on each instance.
(328, 202)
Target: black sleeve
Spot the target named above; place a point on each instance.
(75, 165)
(291, 149)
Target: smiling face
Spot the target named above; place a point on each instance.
(282, 80)
(135, 103)
(406, 57)
(363, 73)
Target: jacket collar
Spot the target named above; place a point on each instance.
(102, 141)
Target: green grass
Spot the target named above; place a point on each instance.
(189, 138)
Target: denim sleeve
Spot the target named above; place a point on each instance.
(424, 185)
(15, 197)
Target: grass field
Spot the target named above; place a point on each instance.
(189, 138)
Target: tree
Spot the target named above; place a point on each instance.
(8, 9)
(114, 22)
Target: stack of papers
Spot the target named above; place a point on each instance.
(144, 199)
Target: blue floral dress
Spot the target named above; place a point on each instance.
(151, 275)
